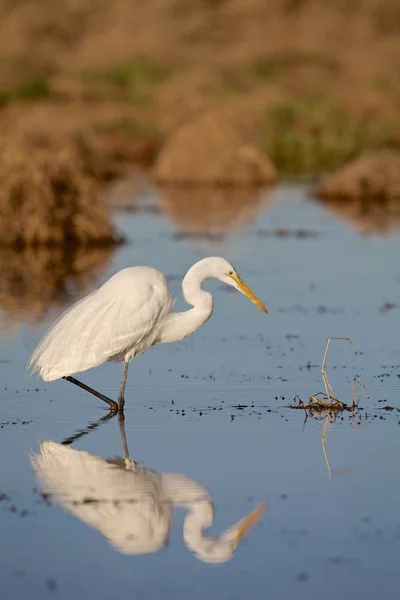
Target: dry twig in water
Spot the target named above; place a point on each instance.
(327, 401)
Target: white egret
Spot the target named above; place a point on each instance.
(131, 505)
(129, 313)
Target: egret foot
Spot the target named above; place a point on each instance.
(113, 405)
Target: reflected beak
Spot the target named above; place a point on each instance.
(247, 523)
(247, 292)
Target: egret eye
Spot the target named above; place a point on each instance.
(230, 273)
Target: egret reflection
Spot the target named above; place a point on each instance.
(132, 505)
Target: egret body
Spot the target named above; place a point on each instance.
(129, 313)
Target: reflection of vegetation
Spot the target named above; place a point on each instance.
(365, 215)
(36, 279)
(273, 66)
(209, 213)
(309, 136)
(33, 88)
(338, 471)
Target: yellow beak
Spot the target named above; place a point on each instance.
(248, 522)
(247, 292)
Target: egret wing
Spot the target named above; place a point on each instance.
(103, 326)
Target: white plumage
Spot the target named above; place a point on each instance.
(123, 318)
(120, 324)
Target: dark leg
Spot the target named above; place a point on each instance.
(113, 405)
(121, 399)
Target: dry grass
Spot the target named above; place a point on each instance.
(321, 403)
(47, 199)
(163, 62)
(372, 176)
(34, 280)
(210, 151)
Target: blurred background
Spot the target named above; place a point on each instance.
(198, 102)
(289, 72)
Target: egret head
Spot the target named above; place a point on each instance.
(229, 276)
(217, 268)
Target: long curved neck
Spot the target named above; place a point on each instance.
(180, 325)
(207, 549)
(199, 517)
(183, 492)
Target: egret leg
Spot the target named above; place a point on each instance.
(121, 398)
(113, 405)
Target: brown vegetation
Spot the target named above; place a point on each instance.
(47, 198)
(322, 74)
(210, 151)
(373, 176)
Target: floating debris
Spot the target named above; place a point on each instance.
(327, 401)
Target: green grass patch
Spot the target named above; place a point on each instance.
(275, 65)
(136, 74)
(31, 90)
(307, 137)
(132, 81)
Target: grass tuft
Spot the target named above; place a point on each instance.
(273, 66)
(309, 136)
(33, 89)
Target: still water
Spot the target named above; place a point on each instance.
(207, 423)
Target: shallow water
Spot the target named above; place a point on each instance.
(214, 408)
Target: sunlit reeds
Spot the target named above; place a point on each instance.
(47, 199)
